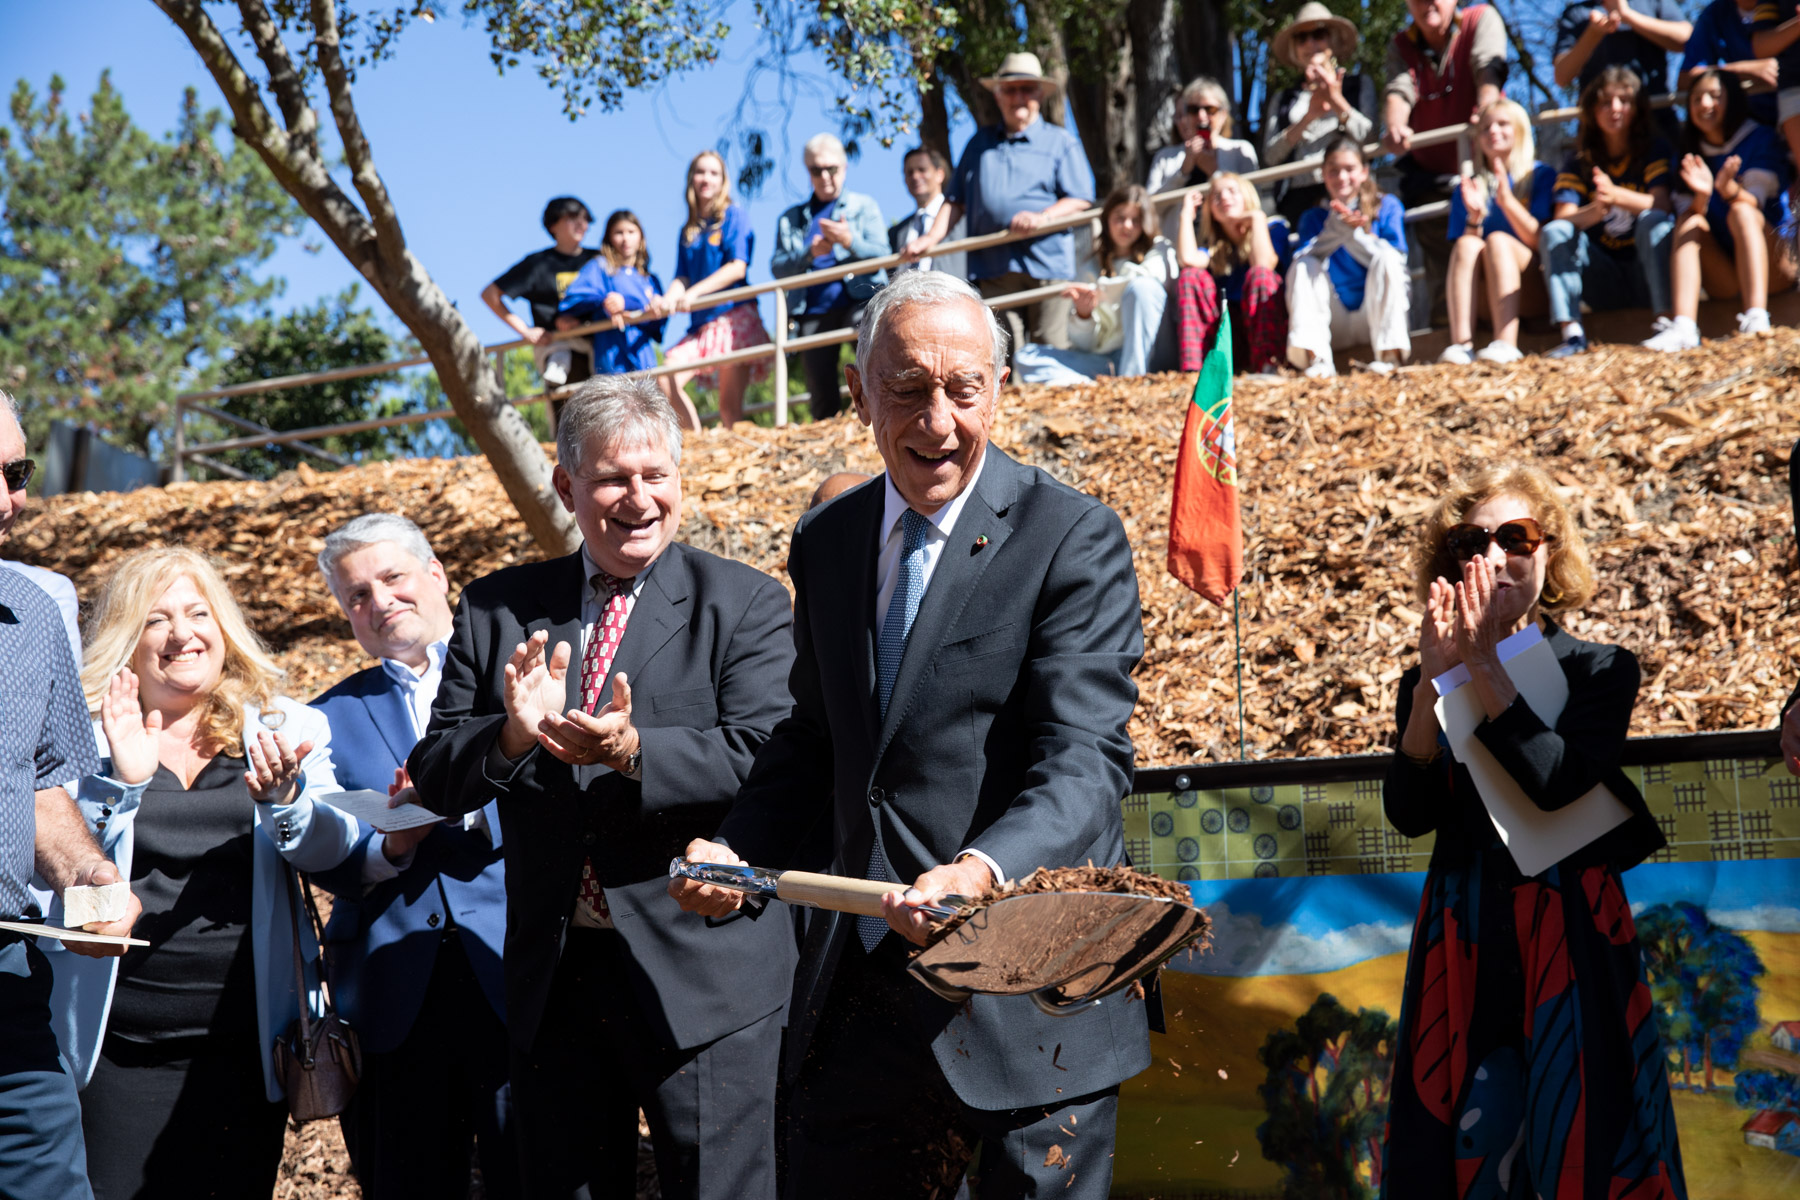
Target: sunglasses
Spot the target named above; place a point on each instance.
(1315, 34)
(1211, 110)
(18, 473)
(1519, 537)
(827, 169)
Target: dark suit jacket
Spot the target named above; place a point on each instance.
(382, 944)
(1006, 731)
(956, 263)
(707, 649)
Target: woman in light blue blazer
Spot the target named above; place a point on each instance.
(833, 228)
(208, 779)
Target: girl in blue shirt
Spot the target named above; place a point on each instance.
(712, 255)
(1494, 220)
(618, 284)
(1729, 239)
(1349, 282)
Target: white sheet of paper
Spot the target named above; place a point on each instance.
(69, 935)
(1537, 840)
(371, 808)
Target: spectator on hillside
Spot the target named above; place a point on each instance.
(540, 279)
(1495, 215)
(832, 228)
(1776, 34)
(1018, 175)
(1734, 174)
(1230, 262)
(1609, 242)
(926, 171)
(1593, 35)
(712, 254)
(1117, 327)
(1331, 96)
(1203, 145)
(1348, 282)
(616, 285)
(1723, 38)
(1442, 69)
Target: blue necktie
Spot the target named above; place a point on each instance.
(903, 608)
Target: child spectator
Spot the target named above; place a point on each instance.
(1495, 216)
(1235, 262)
(1722, 39)
(1728, 240)
(712, 254)
(1609, 243)
(1775, 33)
(1118, 308)
(1203, 145)
(539, 279)
(1349, 281)
(617, 284)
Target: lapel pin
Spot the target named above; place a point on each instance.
(981, 541)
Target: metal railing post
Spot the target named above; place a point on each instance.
(781, 370)
(178, 468)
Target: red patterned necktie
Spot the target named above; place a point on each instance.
(596, 661)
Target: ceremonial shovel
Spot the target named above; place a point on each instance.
(1066, 950)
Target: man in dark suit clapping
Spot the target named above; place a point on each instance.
(965, 629)
(613, 700)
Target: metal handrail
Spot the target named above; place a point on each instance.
(780, 345)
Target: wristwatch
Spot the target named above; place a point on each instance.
(634, 764)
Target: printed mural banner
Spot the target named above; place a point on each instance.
(1272, 1080)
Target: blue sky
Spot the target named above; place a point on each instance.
(469, 156)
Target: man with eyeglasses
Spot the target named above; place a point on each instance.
(1018, 175)
(832, 228)
(45, 741)
(1442, 69)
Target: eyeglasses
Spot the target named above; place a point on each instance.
(1211, 110)
(1519, 537)
(1317, 33)
(18, 473)
(827, 169)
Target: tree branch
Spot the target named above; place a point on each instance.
(390, 242)
(284, 79)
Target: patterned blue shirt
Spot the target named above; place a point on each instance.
(1003, 174)
(46, 739)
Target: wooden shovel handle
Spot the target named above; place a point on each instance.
(859, 896)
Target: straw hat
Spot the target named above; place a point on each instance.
(1021, 66)
(1312, 14)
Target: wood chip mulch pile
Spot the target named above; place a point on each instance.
(1676, 465)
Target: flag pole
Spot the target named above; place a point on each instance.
(1237, 630)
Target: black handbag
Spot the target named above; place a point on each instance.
(319, 1060)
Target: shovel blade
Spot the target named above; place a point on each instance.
(1069, 947)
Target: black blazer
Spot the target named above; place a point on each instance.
(1006, 732)
(707, 649)
(1555, 767)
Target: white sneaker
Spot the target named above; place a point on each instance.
(1380, 367)
(1500, 352)
(1322, 368)
(1753, 320)
(1660, 324)
(556, 368)
(1458, 354)
(1676, 335)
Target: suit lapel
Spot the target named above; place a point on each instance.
(859, 563)
(980, 531)
(390, 715)
(660, 611)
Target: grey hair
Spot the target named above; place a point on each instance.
(622, 410)
(924, 287)
(819, 143)
(367, 530)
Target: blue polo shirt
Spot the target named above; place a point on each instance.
(700, 252)
(1002, 174)
(1722, 35)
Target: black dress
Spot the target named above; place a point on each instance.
(177, 1106)
(1528, 1061)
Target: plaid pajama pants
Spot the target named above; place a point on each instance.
(1262, 316)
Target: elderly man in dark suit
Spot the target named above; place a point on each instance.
(966, 629)
(613, 700)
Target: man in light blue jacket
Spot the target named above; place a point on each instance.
(832, 228)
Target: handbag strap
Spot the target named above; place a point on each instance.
(299, 963)
(318, 927)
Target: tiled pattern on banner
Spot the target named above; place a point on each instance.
(1713, 811)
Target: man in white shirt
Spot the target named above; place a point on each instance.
(926, 169)
(417, 931)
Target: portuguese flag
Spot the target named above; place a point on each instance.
(1206, 535)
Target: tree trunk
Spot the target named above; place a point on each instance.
(1707, 1062)
(1104, 105)
(934, 116)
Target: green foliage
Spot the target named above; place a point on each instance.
(450, 437)
(330, 334)
(125, 262)
(1326, 1094)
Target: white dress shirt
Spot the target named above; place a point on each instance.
(419, 689)
(887, 571)
(918, 225)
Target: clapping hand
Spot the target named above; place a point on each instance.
(1474, 198)
(1727, 178)
(1438, 651)
(1486, 614)
(606, 737)
(1353, 217)
(274, 767)
(1605, 191)
(131, 734)
(1200, 153)
(534, 685)
(1696, 177)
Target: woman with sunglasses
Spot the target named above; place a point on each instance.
(1330, 96)
(1203, 146)
(1528, 1050)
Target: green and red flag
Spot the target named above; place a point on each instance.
(1206, 534)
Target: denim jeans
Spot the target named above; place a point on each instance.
(1575, 270)
(1148, 344)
